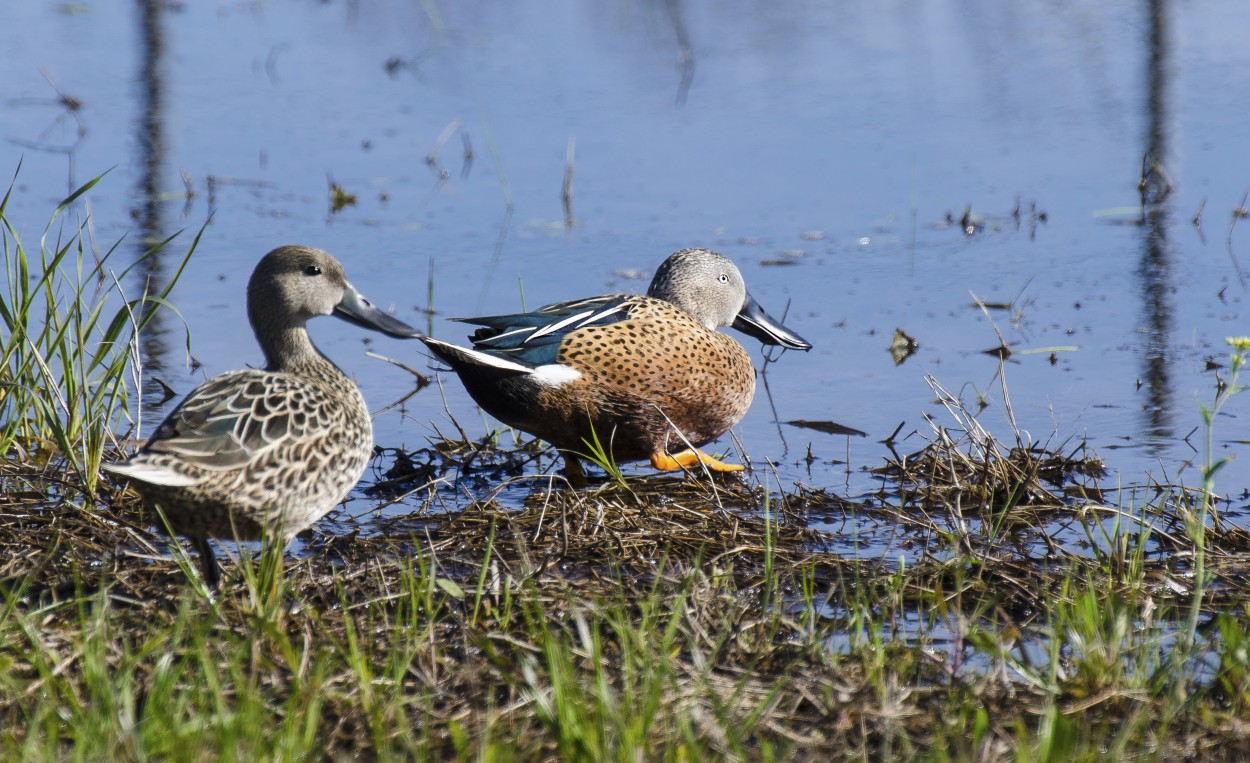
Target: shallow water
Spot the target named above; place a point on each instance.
(830, 149)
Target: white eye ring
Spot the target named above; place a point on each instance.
(724, 278)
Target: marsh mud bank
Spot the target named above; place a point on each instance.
(1012, 611)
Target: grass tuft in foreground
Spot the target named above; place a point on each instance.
(676, 620)
(67, 342)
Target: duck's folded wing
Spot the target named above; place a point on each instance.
(234, 418)
(536, 335)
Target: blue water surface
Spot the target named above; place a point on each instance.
(831, 149)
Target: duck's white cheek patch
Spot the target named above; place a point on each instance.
(555, 374)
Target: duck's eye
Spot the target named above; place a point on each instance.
(312, 270)
(724, 278)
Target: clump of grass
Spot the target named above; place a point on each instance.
(600, 454)
(968, 473)
(67, 348)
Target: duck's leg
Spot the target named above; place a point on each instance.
(690, 458)
(208, 563)
(573, 470)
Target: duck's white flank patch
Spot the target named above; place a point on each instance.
(555, 374)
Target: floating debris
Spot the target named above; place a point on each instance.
(902, 346)
(828, 427)
(340, 199)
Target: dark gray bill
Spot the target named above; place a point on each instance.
(354, 308)
(753, 321)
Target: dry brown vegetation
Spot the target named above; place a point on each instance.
(675, 617)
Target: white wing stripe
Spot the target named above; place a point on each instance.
(553, 327)
(585, 319)
(482, 358)
(504, 335)
(606, 313)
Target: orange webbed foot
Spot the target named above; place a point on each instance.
(690, 458)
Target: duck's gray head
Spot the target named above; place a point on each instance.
(709, 287)
(294, 283)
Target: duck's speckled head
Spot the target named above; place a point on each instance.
(709, 287)
(294, 283)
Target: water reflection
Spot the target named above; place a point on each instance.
(1156, 263)
(685, 50)
(70, 109)
(150, 138)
